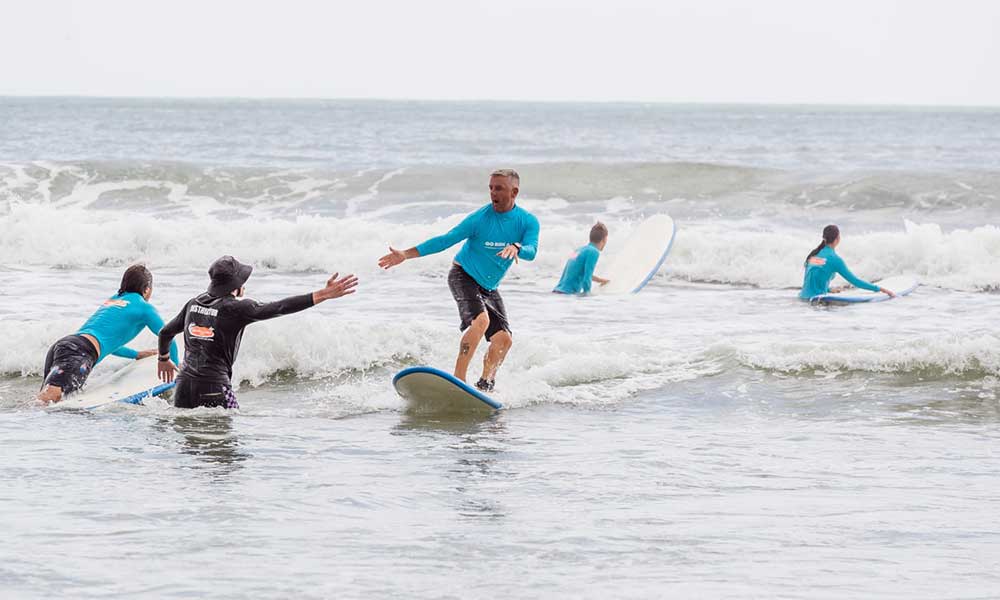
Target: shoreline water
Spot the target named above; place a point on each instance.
(711, 435)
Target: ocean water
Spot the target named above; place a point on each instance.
(709, 437)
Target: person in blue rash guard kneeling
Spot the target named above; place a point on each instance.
(496, 236)
(579, 271)
(71, 359)
(823, 264)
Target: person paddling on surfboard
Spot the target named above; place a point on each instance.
(578, 275)
(823, 264)
(496, 236)
(71, 359)
(213, 326)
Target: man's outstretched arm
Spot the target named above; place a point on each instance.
(434, 245)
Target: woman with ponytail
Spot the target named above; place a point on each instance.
(119, 319)
(823, 264)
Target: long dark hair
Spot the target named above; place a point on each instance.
(830, 235)
(136, 279)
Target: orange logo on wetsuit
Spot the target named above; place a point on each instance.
(118, 303)
(202, 333)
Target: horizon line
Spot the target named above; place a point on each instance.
(716, 103)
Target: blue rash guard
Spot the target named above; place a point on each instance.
(119, 320)
(818, 277)
(579, 272)
(487, 233)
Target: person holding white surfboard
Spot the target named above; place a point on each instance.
(823, 264)
(496, 236)
(578, 274)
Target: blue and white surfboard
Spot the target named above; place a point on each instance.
(131, 384)
(636, 261)
(427, 389)
(901, 285)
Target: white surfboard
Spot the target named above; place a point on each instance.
(427, 389)
(901, 285)
(130, 384)
(630, 267)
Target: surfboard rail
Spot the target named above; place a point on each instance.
(150, 393)
(659, 263)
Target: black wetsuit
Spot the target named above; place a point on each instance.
(213, 328)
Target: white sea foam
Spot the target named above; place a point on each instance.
(720, 252)
(559, 365)
(962, 259)
(360, 355)
(975, 356)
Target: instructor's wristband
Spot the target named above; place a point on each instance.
(164, 357)
(517, 245)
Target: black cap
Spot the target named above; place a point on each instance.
(227, 274)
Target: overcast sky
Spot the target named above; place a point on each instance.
(780, 51)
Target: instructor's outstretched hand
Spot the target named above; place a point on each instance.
(335, 288)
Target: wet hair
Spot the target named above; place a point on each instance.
(136, 279)
(830, 235)
(514, 177)
(598, 233)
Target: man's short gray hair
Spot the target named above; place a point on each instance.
(507, 173)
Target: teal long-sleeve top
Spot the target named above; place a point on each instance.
(817, 278)
(119, 320)
(486, 232)
(578, 274)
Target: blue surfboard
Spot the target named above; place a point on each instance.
(901, 285)
(427, 389)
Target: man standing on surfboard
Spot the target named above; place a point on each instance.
(496, 236)
(579, 271)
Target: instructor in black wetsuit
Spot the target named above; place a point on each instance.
(213, 326)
